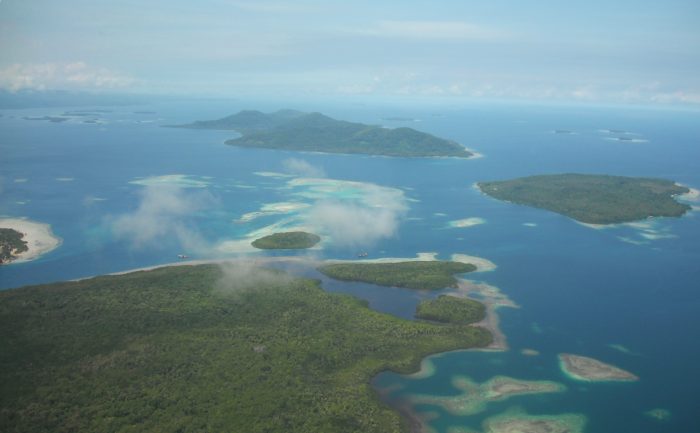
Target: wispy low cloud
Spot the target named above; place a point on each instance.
(359, 223)
(162, 215)
(76, 75)
(300, 167)
(443, 30)
(247, 275)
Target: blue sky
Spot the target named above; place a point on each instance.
(618, 51)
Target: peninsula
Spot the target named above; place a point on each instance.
(200, 348)
(315, 132)
(593, 199)
(418, 275)
(592, 370)
(287, 241)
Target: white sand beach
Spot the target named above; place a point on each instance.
(39, 237)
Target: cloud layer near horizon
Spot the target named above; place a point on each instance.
(620, 51)
(74, 75)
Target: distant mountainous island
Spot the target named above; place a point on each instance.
(315, 132)
(593, 199)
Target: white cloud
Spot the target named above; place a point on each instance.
(446, 30)
(246, 275)
(359, 223)
(683, 97)
(300, 167)
(76, 75)
(162, 214)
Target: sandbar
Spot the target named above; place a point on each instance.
(493, 299)
(420, 257)
(591, 370)
(692, 195)
(482, 264)
(502, 387)
(659, 414)
(39, 237)
(280, 208)
(466, 222)
(522, 423)
(474, 397)
(272, 174)
(178, 180)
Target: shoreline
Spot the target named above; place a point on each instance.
(488, 295)
(693, 195)
(493, 299)
(233, 260)
(586, 369)
(482, 264)
(39, 237)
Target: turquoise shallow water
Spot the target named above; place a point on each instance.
(580, 290)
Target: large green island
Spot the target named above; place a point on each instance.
(419, 275)
(198, 348)
(315, 132)
(593, 199)
(287, 241)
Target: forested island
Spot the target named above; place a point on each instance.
(593, 199)
(419, 275)
(451, 309)
(191, 348)
(287, 241)
(11, 244)
(315, 132)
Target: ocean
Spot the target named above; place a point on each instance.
(626, 295)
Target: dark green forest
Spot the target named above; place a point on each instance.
(199, 349)
(287, 241)
(451, 309)
(419, 275)
(593, 199)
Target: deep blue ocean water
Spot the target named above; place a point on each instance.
(579, 289)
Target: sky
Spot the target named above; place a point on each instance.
(618, 51)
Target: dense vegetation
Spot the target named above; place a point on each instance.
(594, 199)
(294, 130)
(429, 275)
(451, 309)
(203, 348)
(11, 243)
(287, 241)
